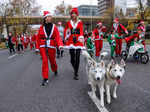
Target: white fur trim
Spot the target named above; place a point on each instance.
(81, 39)
(37, 50)
(74, 25)
(74, 47)
(47, 15)
(47, 46)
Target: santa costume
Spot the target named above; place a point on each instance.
(74, 40)
(98, 34)
(47, 39)
(119, 29)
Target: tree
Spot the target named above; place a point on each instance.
(18, 8)
(63, 9)
(143, 10)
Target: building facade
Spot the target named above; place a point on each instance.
(88, 10)
(104, 5)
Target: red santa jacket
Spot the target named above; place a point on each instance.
(98, 34)
(26, 39)
(33, 38)
(119, 28)
(52, 41)
(74, 32)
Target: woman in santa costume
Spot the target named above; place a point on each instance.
(143, 29)
(118, 29)
(98, 34)
(74, 40)
(47, 39)
(26, 40)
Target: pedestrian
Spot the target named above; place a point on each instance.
(143, 29)
(11, 43)
(74, 39)
(20, 41)
(47, 39)
(120, 30)
(112, 42)
(90, 45)
(26, 40)
(61, 32)
(98, 34)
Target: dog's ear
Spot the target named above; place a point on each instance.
(102, 64)
(112, 62)
(122, 63)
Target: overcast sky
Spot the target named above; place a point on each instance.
(51, 4)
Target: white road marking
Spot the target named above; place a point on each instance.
(97, 103)
(10, 57)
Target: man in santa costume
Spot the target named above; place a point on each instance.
(143, 29)
(47, 39)
(118, 29)
(74, 40)
(98, 34)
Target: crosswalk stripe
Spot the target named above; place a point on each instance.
(97, 103)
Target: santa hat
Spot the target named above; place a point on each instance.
(139, 29)
(59, 23)
(75, 10)
(142, 22)
(99, 23)
(46, 13)
(116, 20)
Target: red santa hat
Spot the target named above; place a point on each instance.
(99, 23)
(75, 10)
(116, 20)
(59, 23)
(142, 22)
(46, 13)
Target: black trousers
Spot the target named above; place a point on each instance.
(75, 59)
(11, 47)
(59, 52)
(20, 46)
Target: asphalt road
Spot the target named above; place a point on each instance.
(20, 90)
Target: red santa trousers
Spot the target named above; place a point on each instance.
(51, 57)
(118, 46)
(98, 47)
(31, 46)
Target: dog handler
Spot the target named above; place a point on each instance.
(74, 40)
(47, 39)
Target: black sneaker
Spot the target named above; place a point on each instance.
(76, 78)
(44, 82)
(55, 73)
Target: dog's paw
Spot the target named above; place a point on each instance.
(115, 96)
(108, 101)
(102, 104)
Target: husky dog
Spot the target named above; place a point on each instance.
(114, 73)
(96, 75)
